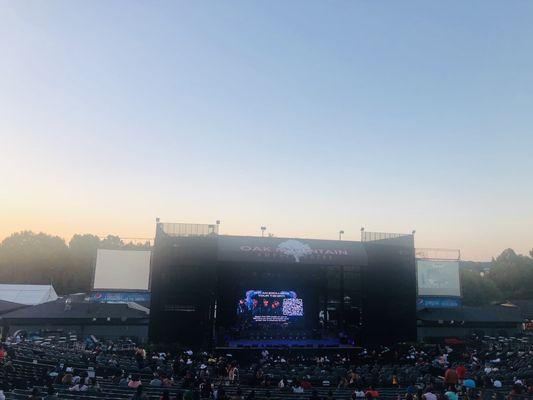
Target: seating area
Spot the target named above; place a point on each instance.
(497, 368)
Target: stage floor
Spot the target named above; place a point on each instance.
(269, 343)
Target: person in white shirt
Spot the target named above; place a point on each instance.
(297, 389)
(79, 387)
(429, 395)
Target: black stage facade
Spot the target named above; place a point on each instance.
(243, 291)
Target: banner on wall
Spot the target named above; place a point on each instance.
(119, 297)
(438, 302)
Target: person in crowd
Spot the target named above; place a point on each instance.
(139, 394)
(3, 354)
(461, 373)
(221, 395)
(67, 378)
(451, 393)
(166, 381)
(314, 395)
(358, 394)
(251, 395)
(124, 381)
(35, 394)
(429, 395)
(8, 366)
(297, 388)
(372, 393)
(76, 378)
(93, 386)
(156, 381)
(282, 384)
(238, 395)
(188, 394)
(516, 392)
(78, 387)
(450, 377)
(305, 383)
(233, 373)
(206, 389)
(165, 395)
(135, 382)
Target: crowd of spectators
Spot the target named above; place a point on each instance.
(493, 368)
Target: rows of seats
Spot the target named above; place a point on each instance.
(32, 363)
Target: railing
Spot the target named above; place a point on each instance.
(178, 229)
(438, 254)
(373, 236)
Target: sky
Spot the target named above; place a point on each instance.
(306, 117)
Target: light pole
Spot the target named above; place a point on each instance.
(362, 231)
(341, 232)
(263, 229)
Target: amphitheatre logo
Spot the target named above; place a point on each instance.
(295, 250)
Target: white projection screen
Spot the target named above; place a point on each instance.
(438, 278)
(122, 270)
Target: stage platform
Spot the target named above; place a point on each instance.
(285, 343)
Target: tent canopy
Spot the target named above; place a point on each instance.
(27, 294)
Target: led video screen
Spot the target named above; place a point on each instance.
(270, 306)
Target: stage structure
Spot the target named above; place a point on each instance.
(235, 291)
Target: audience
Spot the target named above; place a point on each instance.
(476, 369)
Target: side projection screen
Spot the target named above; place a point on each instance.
(438, 278)
(122, 269)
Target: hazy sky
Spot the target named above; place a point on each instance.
(308, 117)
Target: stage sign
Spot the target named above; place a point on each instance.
(279, 250)
(119, 297)
(438, 302)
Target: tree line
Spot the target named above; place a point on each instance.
(39, 258)
(507, 277)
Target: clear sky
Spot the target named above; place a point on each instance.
(307, 117)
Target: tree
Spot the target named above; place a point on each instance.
(112, 242)
(477, 288)
(36, 258)
(513, 275)
(82, 249)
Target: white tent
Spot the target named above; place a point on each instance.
(27, 294)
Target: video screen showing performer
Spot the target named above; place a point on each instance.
(270, 307)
